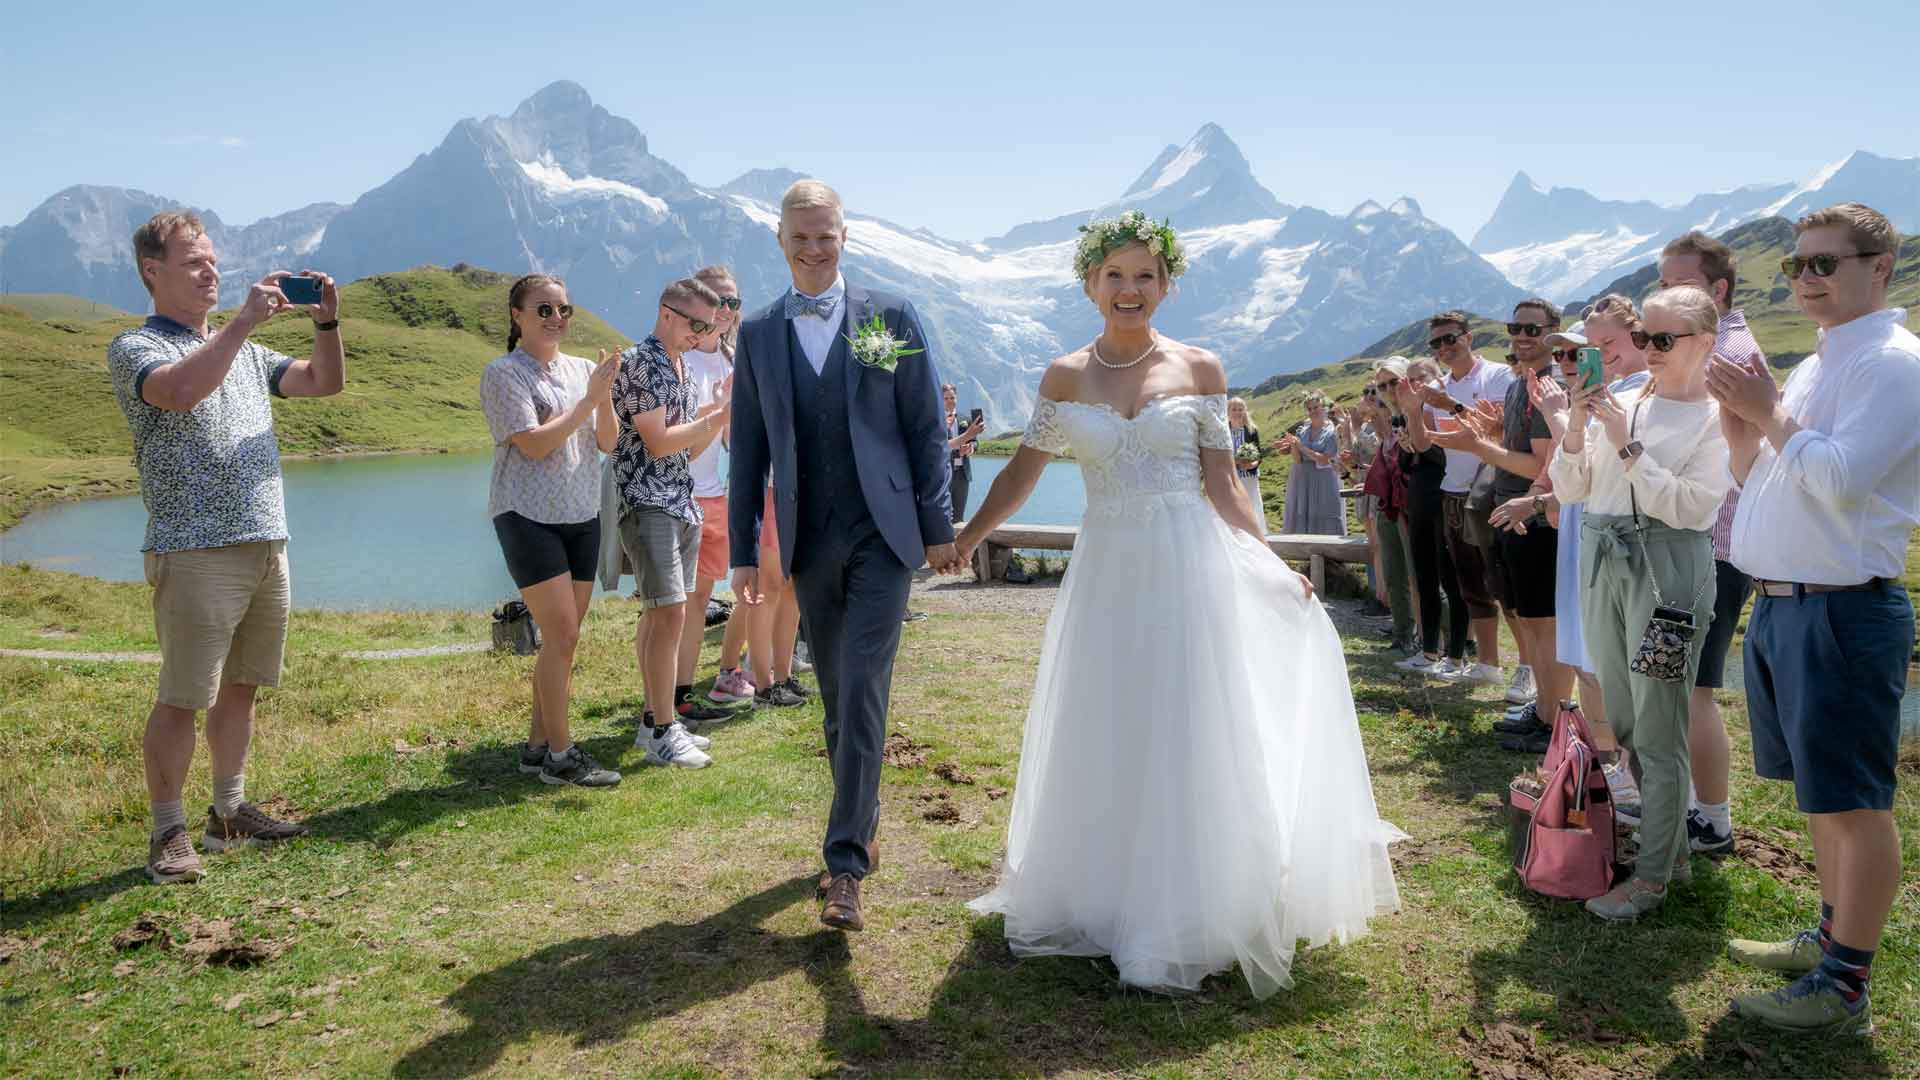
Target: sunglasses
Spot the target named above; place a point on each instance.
(731, 303)
(1565, 356)
(1660, 342)
(547, 311)
(1444, 340)
(700, 326)
(1530, 329)
(1821, 265)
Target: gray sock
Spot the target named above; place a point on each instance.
(555, 753)
(166, 815)
(228, 793)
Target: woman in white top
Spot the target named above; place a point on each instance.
(1652, 471)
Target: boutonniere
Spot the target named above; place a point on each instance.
(876, 347)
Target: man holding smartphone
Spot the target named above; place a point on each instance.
(961, 443)
(196, 400)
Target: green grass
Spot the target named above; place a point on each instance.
(59, 307)
(449, 917)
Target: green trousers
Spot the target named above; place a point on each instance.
(1649, 715)
(1397, 563)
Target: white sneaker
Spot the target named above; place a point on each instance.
(1475, 674)
(1421, 663)
(1521, 690)
(644, 737)
(672, 745)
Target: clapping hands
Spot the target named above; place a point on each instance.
(1547, 394)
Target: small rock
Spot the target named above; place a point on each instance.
(87, 998)
(579, 877)
(233, 1002)
(123, 969)
(460, 824)
(403, 864)
(269, 1019)
(439, 909)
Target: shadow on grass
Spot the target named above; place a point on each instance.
(991, 1014)
(1733, 1047)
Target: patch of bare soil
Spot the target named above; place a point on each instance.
(902, 752)
(1505, 1051)
(952, 774)
(209, 941)
(1772, 851)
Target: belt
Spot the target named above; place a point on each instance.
(1789, 588)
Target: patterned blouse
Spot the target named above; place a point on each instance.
(518, 393)
(647, 381)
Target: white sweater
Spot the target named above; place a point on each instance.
(1680, 478)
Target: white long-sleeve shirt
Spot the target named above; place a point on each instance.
(1680, 477)
(1838, 503)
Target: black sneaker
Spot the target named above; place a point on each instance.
(577, 769)
(1706, 840)
(532, 758)
(1530, 744)
(1526, 723)
(794, 684)
(695, 711)
(777, 696)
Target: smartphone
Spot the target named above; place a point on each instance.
(1592, 369)
(979, 417)
(300, 290)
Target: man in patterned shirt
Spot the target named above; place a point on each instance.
(196, 400)
(660, 430)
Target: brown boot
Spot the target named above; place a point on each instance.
(842, 909)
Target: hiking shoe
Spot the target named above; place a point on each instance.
(171, 858)
(1522, 689)
(249, 826)
(777, 696)
(695, 711)
(1524, 722)
(1797, 955)
(576, 769)
(532, 758)
(732, 687)
(794, 684)
(1810, 1004)
(1534, 743)
(1472, 674)
(1627, 901)
(1703, 838)
(671, 745)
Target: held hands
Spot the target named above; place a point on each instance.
(1751, 396)
(944, 558)
(746, 585)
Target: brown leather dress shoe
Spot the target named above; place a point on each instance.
(842, 909)
(826, 876)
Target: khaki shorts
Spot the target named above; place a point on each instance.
(221, 616)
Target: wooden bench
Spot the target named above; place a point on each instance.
(991, 558)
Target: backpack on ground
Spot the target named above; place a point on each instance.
(514, 630)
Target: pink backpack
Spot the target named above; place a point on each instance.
(1567, 847)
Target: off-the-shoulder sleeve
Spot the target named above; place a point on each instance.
(1214, 434)
(1044, 431)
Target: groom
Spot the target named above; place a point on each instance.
(858, 457)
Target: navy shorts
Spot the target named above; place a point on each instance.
(537, 551)
(1825, 675)
(1730, 589)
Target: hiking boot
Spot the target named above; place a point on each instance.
(1522, 689)
(1628, 900)
(1525, 722)
(1811, 1004)
(249, 826)
(171, 858)
(576, 769)
(777, 696)
(1797, 955)
(1705, 839)
(842, 908)
(532, 758)
(732, 687)
(671, 745)
(794, 684)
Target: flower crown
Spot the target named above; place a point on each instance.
(1098, 239)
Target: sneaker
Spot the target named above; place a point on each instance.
(802, 656)
(1797, 955)
(1473, 674)
(777, 696)
(171, 858)
(577, 769)
(249, 826)
(1421, 663)
(695, 711)
(732, 687)
(1524, 721)
(1628, 900)
(532, 758)
(700, 742)
(1625, 811)
(1703, 838)
(671, 745)
(1522, 688)
(794, 684)
(1812, 1003)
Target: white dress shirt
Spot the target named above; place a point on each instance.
(1838, 503)
(816, 334)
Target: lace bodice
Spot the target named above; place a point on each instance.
(1132, 466)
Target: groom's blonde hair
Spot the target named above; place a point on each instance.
(811, 195)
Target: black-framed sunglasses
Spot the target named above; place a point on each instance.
(700, 326)
(731, 303)
(1565, 356)
(1530, 329)
(1821, 265)
(547, 311)
(1444, 340)
(1660, 342)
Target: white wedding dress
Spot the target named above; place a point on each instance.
(1192, 790)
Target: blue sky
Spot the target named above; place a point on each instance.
(968, 119)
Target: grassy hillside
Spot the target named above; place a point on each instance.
(59, 306)
(416, 343)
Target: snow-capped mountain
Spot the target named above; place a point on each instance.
(1564, 242)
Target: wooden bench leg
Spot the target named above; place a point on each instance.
(982, 564)
(1317, 573)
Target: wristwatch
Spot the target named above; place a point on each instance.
(323, 327)
(1631, 450)
(1540, 505)
(1457, 409)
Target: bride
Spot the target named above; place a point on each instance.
(1192, 787)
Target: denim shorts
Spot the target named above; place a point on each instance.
(1825, 676)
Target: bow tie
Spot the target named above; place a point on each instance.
(822, 307)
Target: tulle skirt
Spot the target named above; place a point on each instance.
(1193, 792)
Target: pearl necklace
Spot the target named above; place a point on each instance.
(1105, 363)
